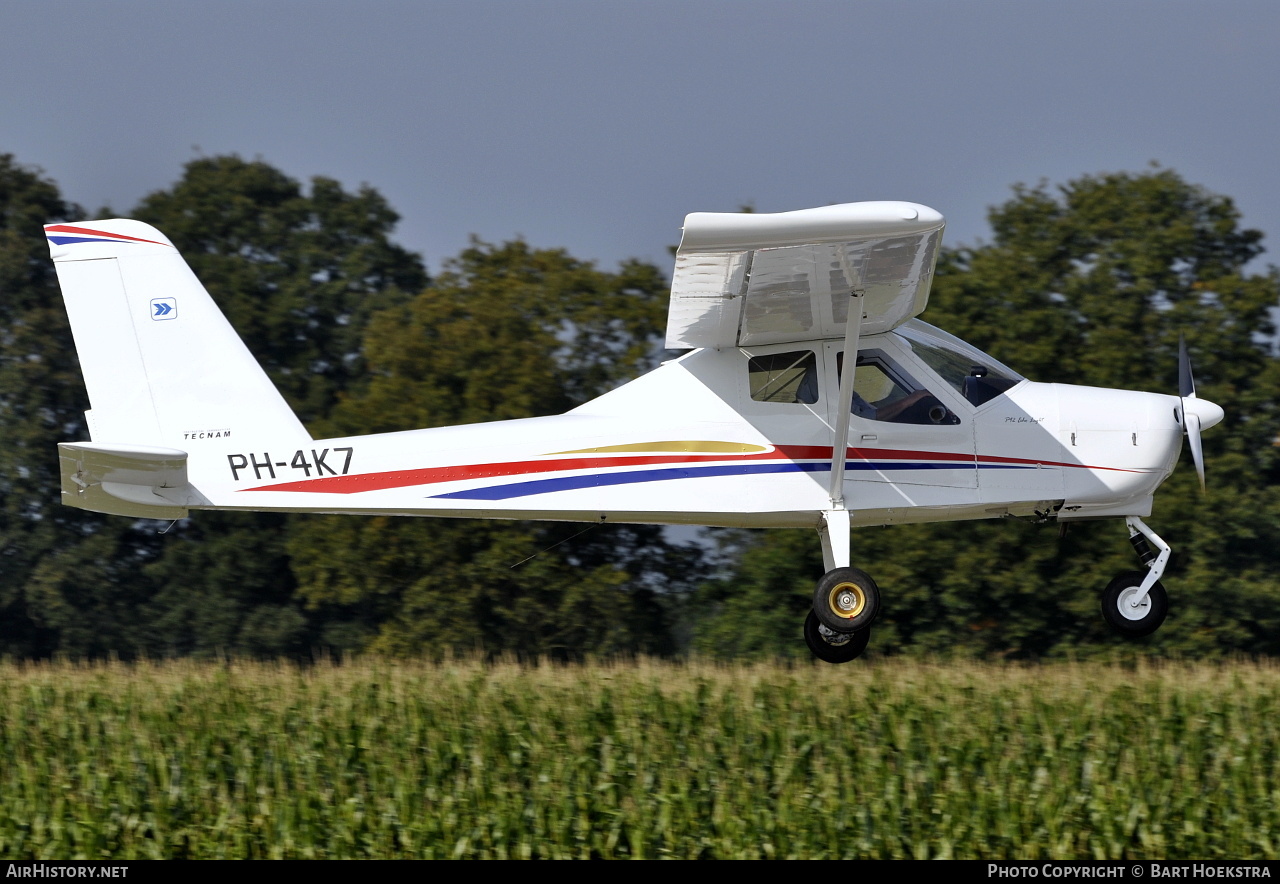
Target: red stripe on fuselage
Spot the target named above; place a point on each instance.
(435, 475)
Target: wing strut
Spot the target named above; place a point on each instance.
(844, 405)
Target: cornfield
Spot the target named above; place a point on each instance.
(639, 759)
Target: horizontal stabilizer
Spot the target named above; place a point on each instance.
(126, 480)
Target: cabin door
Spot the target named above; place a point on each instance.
(908, 430)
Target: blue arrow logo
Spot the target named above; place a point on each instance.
(164, 308)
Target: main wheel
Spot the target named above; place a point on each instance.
(1134, 620)
(846, 600)
(833, 647)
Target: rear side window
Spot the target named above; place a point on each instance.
(784, 377)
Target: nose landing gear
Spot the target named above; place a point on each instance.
(1135, 603)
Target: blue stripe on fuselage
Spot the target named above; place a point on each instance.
(600, 480)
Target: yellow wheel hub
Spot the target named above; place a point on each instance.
(846, 600)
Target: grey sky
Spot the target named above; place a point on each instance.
(597, 126)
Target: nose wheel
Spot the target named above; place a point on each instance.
(1131, 611)
(1135, 603)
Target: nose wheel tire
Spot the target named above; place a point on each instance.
(846, 600)
(833, 647)
(1129, 616)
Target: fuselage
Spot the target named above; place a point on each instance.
(705, 439)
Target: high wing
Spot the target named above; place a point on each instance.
(843, 271)
(745, 279)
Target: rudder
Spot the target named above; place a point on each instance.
(162, 365)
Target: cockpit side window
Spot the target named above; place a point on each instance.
(784, 377)
(883, 391)
(974, 374)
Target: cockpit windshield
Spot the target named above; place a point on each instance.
(974, 374)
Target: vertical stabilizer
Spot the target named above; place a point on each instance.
(162, 365)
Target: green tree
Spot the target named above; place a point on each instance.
(507, 332)
(1089, 283)
(510, 332)
(67, 577)
(299, 274)
(41, 400)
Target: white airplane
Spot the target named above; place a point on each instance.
(763, 424)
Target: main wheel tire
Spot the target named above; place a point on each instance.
(846, 600)
(1120, 612)
(850, 648)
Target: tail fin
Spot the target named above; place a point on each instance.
(162, 365)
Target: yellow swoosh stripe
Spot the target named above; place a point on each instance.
(696, 446)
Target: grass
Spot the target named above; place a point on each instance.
(639, 759)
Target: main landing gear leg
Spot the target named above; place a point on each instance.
(845, 601)
(1135, 603)
(835, 539)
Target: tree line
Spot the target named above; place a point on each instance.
(1090, 282)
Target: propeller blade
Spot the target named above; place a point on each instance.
(1191, 417)
(1197, 450)
(1186, 383)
